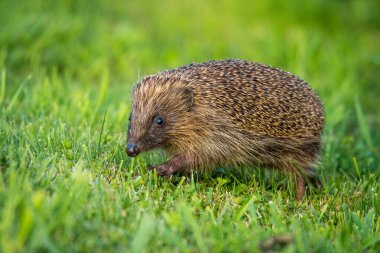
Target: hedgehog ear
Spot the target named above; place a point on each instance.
(187, 96)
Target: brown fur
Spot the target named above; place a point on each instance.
(229, 113)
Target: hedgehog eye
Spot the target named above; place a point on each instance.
(130, 117)
(159, 121)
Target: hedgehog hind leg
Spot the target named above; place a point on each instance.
(304, 179)
(301, 187)
(303, 175)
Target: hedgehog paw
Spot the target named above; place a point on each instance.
(162, 170)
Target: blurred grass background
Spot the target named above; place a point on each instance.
(67, 69)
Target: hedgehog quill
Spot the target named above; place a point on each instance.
(228, 113)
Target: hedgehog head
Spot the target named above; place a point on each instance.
(159, 106)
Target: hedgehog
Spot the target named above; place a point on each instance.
(228, 113)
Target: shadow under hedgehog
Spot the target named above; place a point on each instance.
(228, 113)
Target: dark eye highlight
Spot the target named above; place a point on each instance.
(159, 121)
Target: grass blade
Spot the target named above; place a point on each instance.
(363, 125)
(15, 96)
(2, 88)
(143, 234)
(102, 128)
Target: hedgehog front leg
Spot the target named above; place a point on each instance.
(179, 163)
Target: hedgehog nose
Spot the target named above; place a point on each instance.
(132, 149)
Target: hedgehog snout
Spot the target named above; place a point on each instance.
(132, 149)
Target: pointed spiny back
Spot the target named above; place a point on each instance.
(257, 98)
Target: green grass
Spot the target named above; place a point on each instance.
(66, 73)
